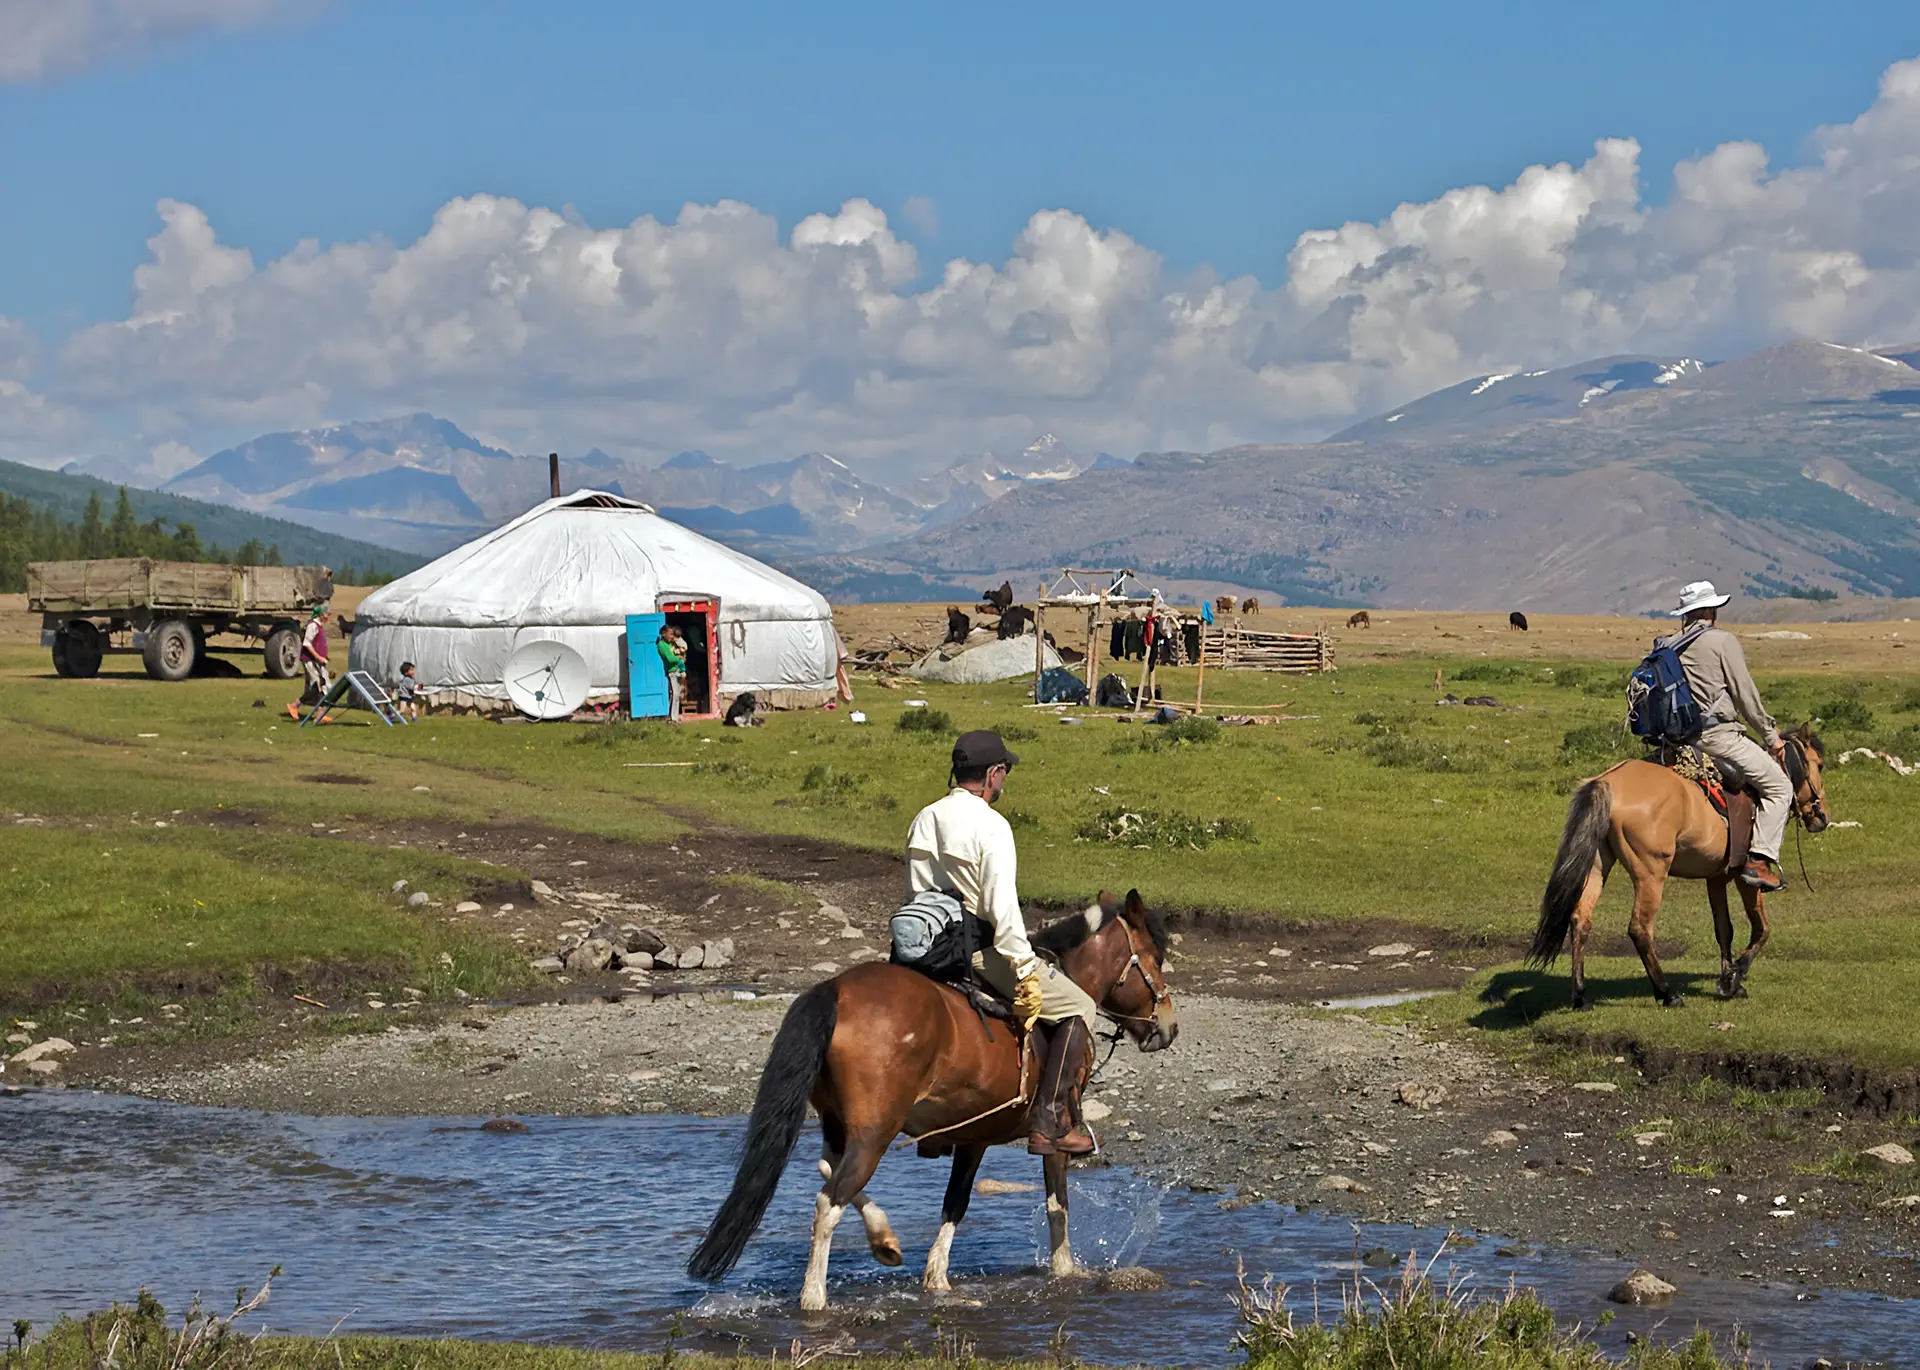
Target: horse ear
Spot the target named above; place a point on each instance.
(1105, 900)
(1136, 910)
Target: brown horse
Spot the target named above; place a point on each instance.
(881, 1050)
(1659, 825)
(1359, 619)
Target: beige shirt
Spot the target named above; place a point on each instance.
(1716, 667)
(959, 843)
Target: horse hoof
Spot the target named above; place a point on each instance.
(1673, 1001)
(1582, 1005)
(888, 1253)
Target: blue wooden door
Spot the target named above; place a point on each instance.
(646, 672)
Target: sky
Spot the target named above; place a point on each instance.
(894, 231)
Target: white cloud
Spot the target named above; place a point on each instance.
(46, 38)
(713, 330)
(923, 214)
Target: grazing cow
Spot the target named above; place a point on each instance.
(1014, 621)
(1252, 606)
(1224, 604)
(1001, 599)
(1359, 619)
(958, 625)
(1516, 619)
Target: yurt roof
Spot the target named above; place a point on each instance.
(586, 558)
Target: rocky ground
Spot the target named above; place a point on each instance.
(1266, 1094)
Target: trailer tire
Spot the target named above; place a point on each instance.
(79, 648)
(283, 653)
(170, 650)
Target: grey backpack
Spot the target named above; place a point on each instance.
(934, 934)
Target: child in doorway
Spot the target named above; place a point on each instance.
(673, 655)
(406, 694)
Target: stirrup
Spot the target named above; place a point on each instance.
(1076, 1141)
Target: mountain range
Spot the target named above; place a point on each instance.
(1599, 487)
(420, 483)
(1594, 487)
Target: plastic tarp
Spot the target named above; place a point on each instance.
(1000, 659)
(571, 570)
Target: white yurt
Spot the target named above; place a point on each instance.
(571, 570)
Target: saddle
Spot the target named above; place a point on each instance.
(1691, 762)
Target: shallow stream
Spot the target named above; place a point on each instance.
(577, 1230)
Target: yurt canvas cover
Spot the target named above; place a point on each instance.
(571, 570)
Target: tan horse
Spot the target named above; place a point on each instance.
(880, 1050)
(1660, 825)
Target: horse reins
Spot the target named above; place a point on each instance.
(1798, 775)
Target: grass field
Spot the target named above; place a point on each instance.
(1374, 803)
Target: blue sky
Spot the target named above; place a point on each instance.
(1213, 133)
(911, 232)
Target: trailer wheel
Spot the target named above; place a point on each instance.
(60, 666)
(81, 645)
(169, 652)
(283, 653)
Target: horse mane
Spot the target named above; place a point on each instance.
(1064, 934)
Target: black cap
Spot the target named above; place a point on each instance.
(980, 750)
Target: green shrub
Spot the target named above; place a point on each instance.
(1845, 713)
(1401, 752)
(1909, 701)
(1905, 744)
(1598, 740)
(830, 782)
(1190, 729)
(623, 733)
(927, 722)
(1149, 828)
(1496, 673)
(1017, 732)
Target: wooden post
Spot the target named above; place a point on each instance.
(1093, 645)
(1039, 638)
(1200, 685)
(1140, 696)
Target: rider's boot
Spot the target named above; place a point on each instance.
(1763, 874)
(1054, 1122)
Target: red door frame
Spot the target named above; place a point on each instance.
(711, 609)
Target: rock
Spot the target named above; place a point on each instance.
(1003, 1187)
(1094, 1111)
(1131, 1279)
(1378, 1257)
(1907, 1201)
(504, 1125)
(1886, 1156)
(714, 955)
(667, 958)
(542, 892)
(549, 965)
(60, 1046)
(398, 885)
(1501, 1139)
(1392, 950)
(641, 939)
(43, 1067)
(833, 911)
(1597, 1086)
(606, 931)
(850, 931)
(18, 1039)
(1376, 1149)
(633, 960)
(596, 953)
(1421, 1095)
(692, 958)
(1340, 1184)
(1226, 1086)
(641, 1077)
(824, 968)
(1648, 1138)
(1278, 954)
(466, 906)
(417, 900)
(1641, 1287)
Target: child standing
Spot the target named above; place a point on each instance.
(406, 693)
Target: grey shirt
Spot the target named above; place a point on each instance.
(1722, 686)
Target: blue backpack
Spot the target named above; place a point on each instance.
(1660, 703)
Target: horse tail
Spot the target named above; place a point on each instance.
(799, 1053)
(1589, 820)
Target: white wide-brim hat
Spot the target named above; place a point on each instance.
(1700, 595)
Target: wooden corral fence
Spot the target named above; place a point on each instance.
(1232, 646)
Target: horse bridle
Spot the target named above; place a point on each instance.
(1799, 776)
(1159, 993)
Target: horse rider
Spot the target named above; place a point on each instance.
(1723, 688)
(960, 845)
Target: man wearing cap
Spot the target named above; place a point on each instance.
(960, 845)
(1717, 674)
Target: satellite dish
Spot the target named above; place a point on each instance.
(546, 679)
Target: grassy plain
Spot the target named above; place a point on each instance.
(1371, 803)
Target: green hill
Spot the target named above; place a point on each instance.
(65, 497)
